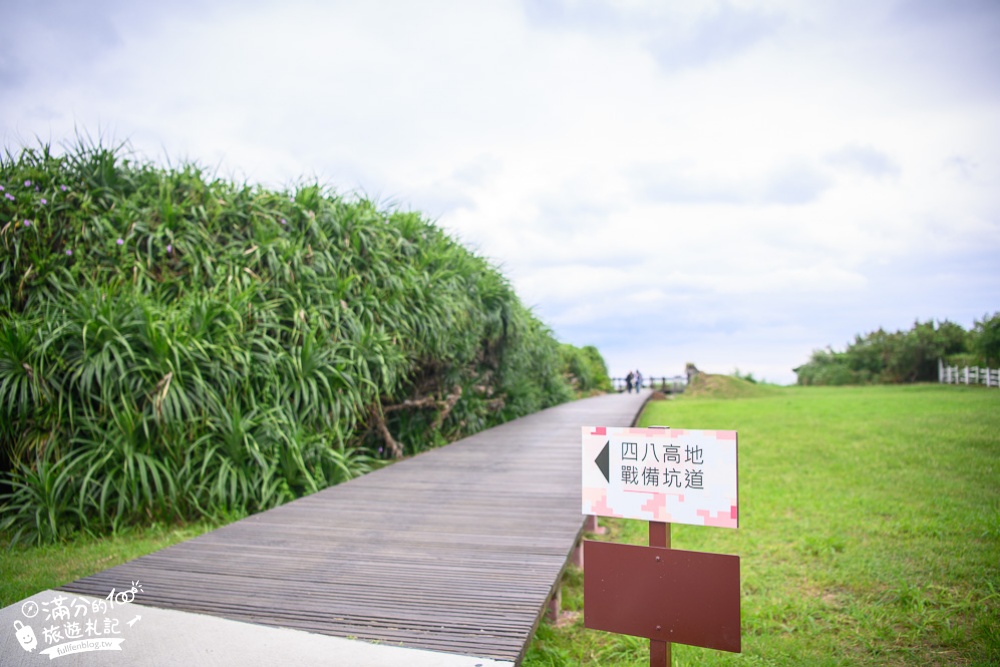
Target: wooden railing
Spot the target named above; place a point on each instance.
(968, 375)
(673, 385)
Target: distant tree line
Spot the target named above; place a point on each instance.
(905, 356)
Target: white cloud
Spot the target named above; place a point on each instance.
(729, 183)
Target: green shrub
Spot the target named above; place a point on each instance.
(584, 369)
(901, 356)
(985, 337)
(173, 345)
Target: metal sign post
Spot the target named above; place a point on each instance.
(659, 650)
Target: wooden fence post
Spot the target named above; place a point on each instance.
(969, 375)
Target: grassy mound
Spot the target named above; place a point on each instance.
(173, 345)
(706, 385)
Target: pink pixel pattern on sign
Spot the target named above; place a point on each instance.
(661, 474)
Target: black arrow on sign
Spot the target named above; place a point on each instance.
(603, 462)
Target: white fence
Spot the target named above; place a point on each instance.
(968, 375)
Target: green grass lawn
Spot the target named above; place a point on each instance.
(26, 570)
(869, 531)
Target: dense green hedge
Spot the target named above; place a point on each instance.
(174, 345)
(585, 369)
(905, 356)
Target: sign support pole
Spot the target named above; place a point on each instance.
(666, 595)
(659, 651)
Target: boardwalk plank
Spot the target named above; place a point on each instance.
(454, 550)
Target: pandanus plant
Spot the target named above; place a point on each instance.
(175, 345)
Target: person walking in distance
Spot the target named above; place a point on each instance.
(638, 380)
(628, 382)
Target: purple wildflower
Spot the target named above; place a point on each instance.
(27, 223)
(9, 196)
(27, 184)
(63, 188)
(284, 222)
(170, 249)
(120, 242)
(44, 201)
(1, 188)
(69, 252)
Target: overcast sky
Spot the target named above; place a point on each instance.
(733, 184)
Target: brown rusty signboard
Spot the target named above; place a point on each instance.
(670, 595)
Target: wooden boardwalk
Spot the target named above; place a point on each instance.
(455, 550)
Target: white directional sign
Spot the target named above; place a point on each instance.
(661, 474)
